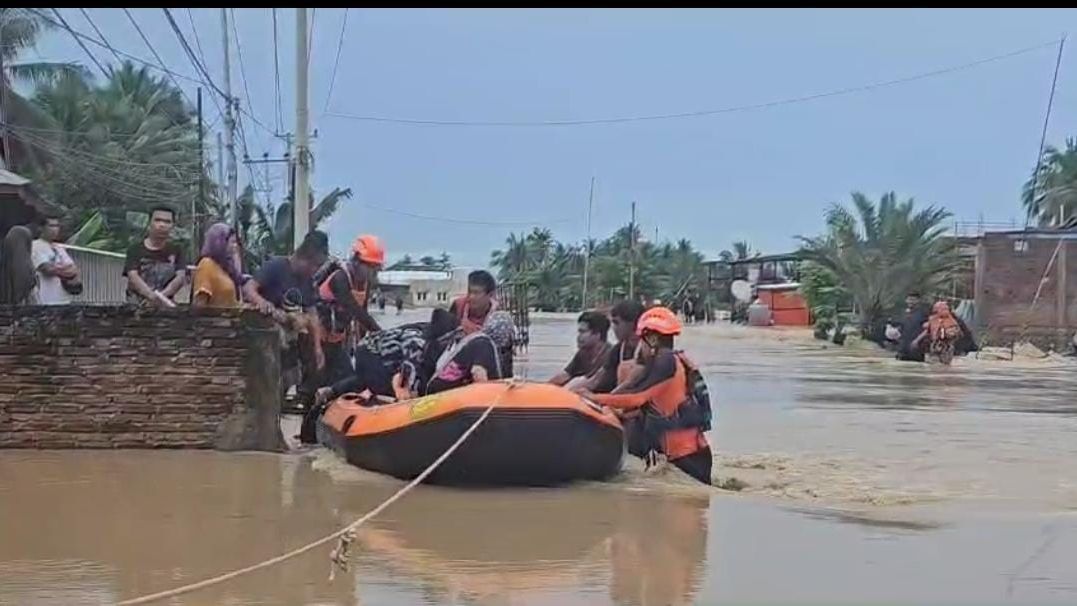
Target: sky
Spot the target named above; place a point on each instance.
(965, 140)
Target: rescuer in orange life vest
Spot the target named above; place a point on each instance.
(343, 298)
(674, 413)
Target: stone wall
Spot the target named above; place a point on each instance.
(1009, 269)
(119, 377)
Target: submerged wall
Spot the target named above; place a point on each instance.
(119, 377)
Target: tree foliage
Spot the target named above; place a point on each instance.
(553, 270)
(880, 252)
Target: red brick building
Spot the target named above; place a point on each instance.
(1026, 287)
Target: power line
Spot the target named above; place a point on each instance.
(242, 69)
(106, 45)
(463, 221)
(336, 62)
(700, 113)
(153, 51)
(81, 44)
(86, 15)
(276, 73)
(198, 65)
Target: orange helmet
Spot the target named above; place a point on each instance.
(660, 320)
(369, 249)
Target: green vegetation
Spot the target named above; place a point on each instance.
(878, 253)
(553, 271)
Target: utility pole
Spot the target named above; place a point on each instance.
(232, 187)
(201, 201)
(632, 255)
(587, 245)
(301, 201)
(220, 166)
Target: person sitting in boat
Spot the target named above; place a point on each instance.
(378, 356)
(472, 358)
(672, 399)
(941, 331)
(476, 306)
(342, 301)
(620, 366)
(592, 350)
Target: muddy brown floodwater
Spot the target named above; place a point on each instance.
(864, 480)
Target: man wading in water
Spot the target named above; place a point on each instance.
(670, 397)
(592, 350)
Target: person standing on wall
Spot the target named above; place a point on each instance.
(57, 275)
(18, 280)
(218, 275)
(155, 267)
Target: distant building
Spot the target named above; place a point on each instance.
(774, 279)
(1026, 286)
(422, 287)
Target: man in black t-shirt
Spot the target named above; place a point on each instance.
(620, 362)
(592, 349)
(155, 267)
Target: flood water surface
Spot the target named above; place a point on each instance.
(864, 480)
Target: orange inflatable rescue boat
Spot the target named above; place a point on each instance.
(537, 435)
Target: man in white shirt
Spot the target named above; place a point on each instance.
(53, 265)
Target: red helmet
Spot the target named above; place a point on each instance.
(369, 249)
(660, 320)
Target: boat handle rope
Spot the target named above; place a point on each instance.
(345, 531)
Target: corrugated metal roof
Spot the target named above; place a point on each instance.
(9, 178)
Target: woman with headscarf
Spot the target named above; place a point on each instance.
(18, 280)
(941, 331)
(217, 278)
(477, 357)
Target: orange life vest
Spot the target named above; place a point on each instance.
(336, 331)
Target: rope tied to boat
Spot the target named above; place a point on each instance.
(341, 553)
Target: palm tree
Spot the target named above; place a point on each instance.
(881, 252)
(19, 31)
(267, 229)
(119, 148)
(513, 260)
(1051, 195)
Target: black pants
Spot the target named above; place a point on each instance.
(698, 465)
(369, 373)
(338, 364)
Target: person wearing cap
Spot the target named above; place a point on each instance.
(659, 393)
(342, 301)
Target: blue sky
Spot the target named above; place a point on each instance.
(965, 140)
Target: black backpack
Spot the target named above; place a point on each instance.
(696, 410)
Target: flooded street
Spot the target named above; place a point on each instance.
(863, 480)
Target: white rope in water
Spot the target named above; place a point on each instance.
(153, 597)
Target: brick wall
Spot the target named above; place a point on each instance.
(117, 377)
(1009, 268)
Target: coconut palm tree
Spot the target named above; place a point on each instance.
(19, 31)
(267, 229)
(513, 260)
(1054, 200)
(880, 252)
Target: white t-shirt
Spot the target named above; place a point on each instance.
(50, 291)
